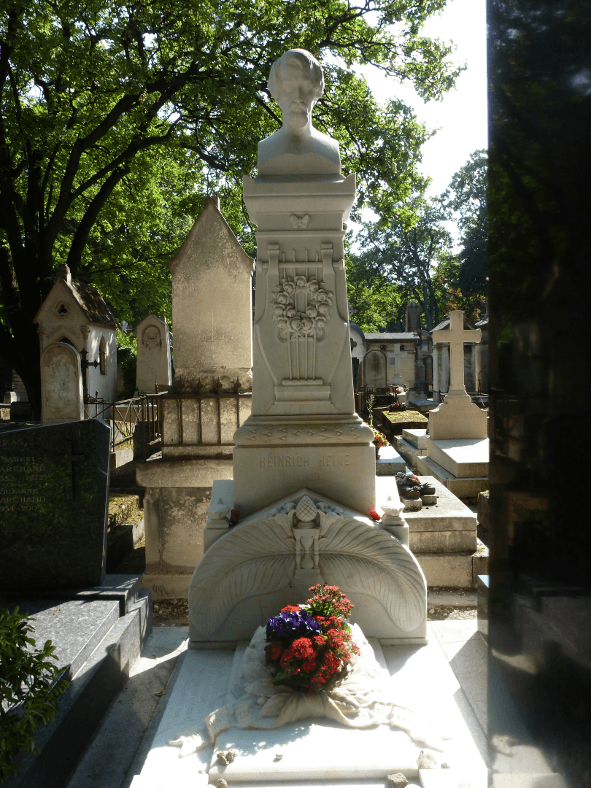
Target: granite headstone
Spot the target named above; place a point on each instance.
(53, 506)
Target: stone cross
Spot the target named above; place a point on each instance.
(457, 336)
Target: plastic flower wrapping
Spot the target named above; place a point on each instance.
(309, 646)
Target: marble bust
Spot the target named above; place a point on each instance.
(296, 82)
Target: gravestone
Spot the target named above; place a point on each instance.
(153, 355)
(211, 307)
(53, 506)
(457, 417)
(61, 384)
(457, 446)
(290, 536)
(374, 370)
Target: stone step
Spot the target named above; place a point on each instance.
(463, 488)
(466, 458)
(409, 452)
(99, 633)
(390, 462)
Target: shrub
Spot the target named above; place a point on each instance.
(30, 687)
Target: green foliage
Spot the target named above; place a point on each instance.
(117, 119)
(28, 690)
(466, 199)
(409, 256)
(405, 253)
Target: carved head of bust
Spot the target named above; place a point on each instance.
(296, 82)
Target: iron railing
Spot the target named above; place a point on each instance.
(123, 416)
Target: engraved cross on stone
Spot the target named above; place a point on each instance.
(457, 336)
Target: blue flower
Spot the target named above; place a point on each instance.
(292, 625)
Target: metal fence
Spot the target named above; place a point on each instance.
(123, 415)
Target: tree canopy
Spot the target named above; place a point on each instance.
(410, 255)
(117, 119)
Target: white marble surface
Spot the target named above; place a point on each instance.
(421, 677)
(464, 458)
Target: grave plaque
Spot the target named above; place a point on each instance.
(53, 505)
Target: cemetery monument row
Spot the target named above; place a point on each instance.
(296, 515)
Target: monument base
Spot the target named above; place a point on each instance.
(316, 753)
(456, 418)
(344, 472)
(461, 465)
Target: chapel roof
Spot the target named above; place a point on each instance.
(92, 304)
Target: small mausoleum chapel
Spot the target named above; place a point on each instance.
(261, 545)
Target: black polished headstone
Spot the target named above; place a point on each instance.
(53, 506)
(539, 612)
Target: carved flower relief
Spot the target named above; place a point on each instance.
(317, 310)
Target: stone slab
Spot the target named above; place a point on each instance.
(466, 458)
(448, 514)
(389, 462)
(417, 438)
(202, 472)
(94, 685)
(315, 751)
(447, 570)
(75, 627)
(442, 541)
(418, 674)
(462, 488)
(408, 452)
(53, 505)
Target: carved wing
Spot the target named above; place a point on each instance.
(253, 559)
(359, 557)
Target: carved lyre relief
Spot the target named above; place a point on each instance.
(301, 310)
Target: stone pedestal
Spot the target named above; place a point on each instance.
(461, 465)
(442, 536)
(457, 417)
(303, 431)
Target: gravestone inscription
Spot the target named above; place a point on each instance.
(53, 506)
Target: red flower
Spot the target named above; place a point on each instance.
(374, 515)
(291, 609)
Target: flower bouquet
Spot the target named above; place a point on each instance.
(379, 439)
(309, 646)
